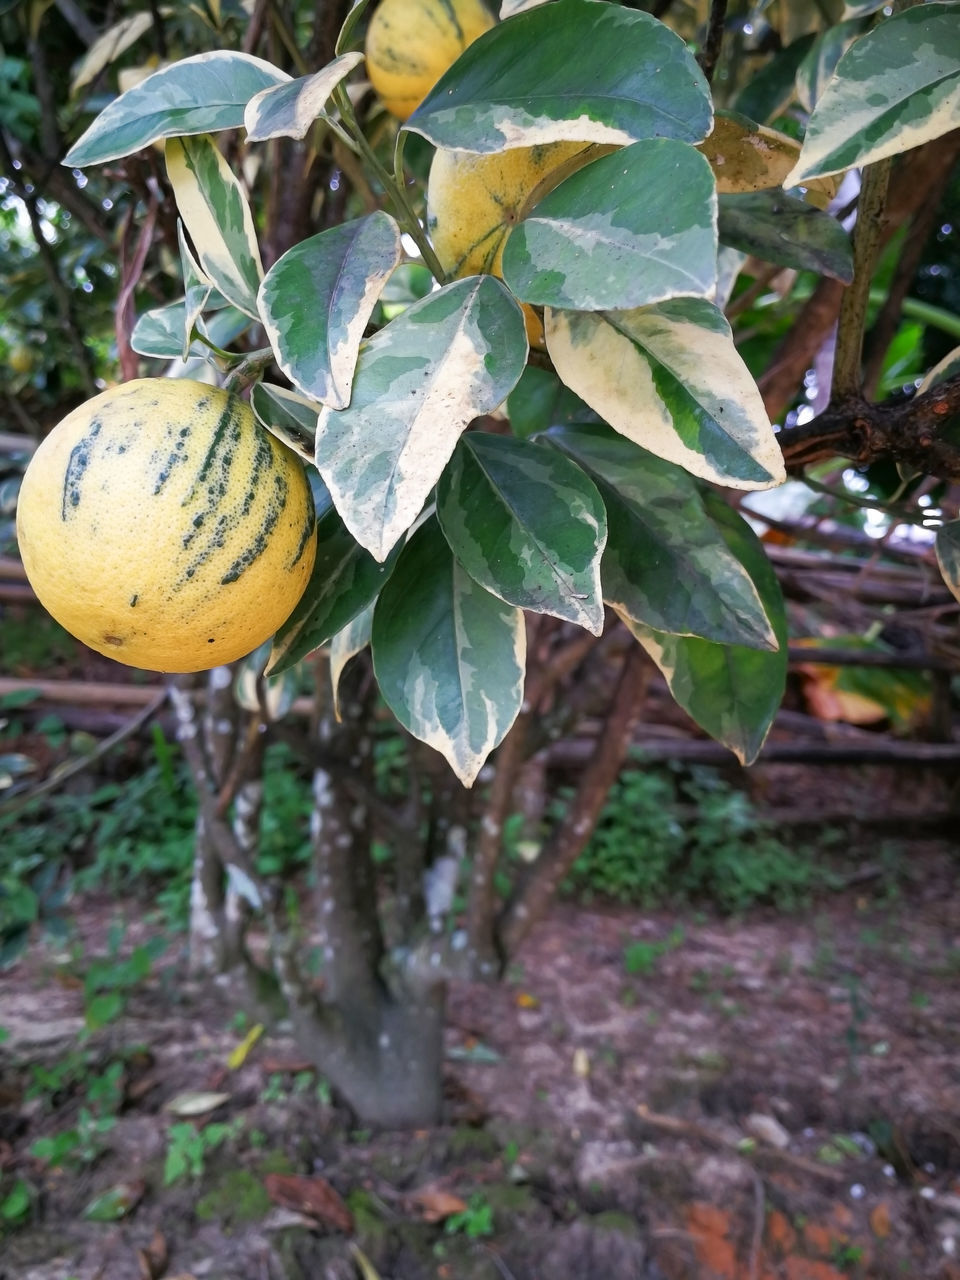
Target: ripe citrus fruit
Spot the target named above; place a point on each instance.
(163, 527)
(411, 43)
(475, 201)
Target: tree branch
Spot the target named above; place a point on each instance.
(847, 378)
(905, 431)
(533, 897)
(710, 53)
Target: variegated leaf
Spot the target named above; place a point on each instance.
(670, 379)
(344, 581)
(895, 88)
(316, 299)
(290, 417)
(527, 524)
(630, 229)
(666, 563)
(159, 332)
(109, 45)
(730, 691)
(772, 88)
(218, 218)
(346, 644)
(202, 94)
(420, 380)
(816, 70)
(449, 657)
(288, 110)
(783, 229)
(196, 289)
(598, 73)
(745, 156)
(948, 367)
(948, 555)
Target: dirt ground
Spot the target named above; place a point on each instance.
(648, 1095)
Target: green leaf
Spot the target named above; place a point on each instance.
(346, 644)
(159, 332)
(292, 418)
(732, 692)
(449, 657)
(666, 564)
(317, 298)
(770, 90)
(783, 229)
(196, 289)
(202, 94)
(526, 524)
(540, 400)
(454, 355)
(630, 229)
(288, 110)
(895, 88)
(345, 579)
(820, 62)
(670, 379)
(218, 218)
(577, 70)
(948, 555)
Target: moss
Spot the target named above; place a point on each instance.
(238, 1197)
(469, 1143)
(612, 1220)
(510, 1198)
(275, 1162)
(371, 1229)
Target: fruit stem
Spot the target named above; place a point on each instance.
(393, 185)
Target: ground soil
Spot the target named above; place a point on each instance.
(768, 1098)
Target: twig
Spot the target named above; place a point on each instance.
(130, 276)
(713, 42)
(847, 377)
(56, 780)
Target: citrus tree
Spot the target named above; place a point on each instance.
(495, 330)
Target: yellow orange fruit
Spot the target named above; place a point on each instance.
(411, 43)
(164, 527)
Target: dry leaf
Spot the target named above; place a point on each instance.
(364, 1265)
(286, 1066)
(312, 1196)
(526, 1001)
(435, 1204)
(195, 1103)
(153, 1259)
(581, 1064)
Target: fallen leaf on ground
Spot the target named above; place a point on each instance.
(116, 1202)
(153, 1259)
(286, 1066)
(434, 1204)
(364, 1265)
(195, 1104)
(239, 1055)
(312, 1196)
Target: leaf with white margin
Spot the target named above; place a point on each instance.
(579, 71)
(629, 229)
(218, 218)
(202, 94)
(316, 299)
(895, 88)
(456, 354)
(346, 644)
(731, 691)
(344, 581)
(449, 657)
(292, 418)
(816, 70)
(288, 110)
(509, 8)
(159, 332)
(109, 45)
(670, 379)
(527, 524)
(666, 562)
(196, 289)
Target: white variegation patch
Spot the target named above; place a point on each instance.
(417, 386)
(605, 357)
(894, 89)
(218, 218)
(288, 110)
(196, 288)
(109, 45)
